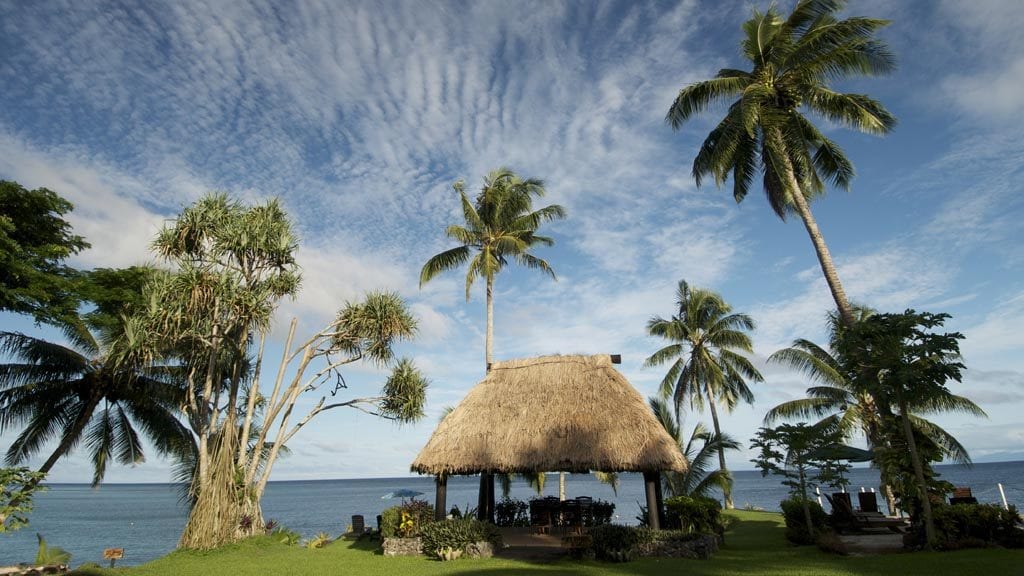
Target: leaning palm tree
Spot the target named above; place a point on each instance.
(705, 354)
(83, 392)
(500, 225)
(699, 450)
(793, 60)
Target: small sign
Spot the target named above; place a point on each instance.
(113, 554)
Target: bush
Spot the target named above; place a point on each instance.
(602, 512)
(285, 536)
(645, 535)
(796, 524)
(694, 514)
(975, 525)
(406, 520)
(509, 512)
(457, 534)
(614, 542)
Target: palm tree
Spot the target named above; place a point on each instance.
(793, 60)
(82, 392)
(699, 450)
(706, 364)
(500, 225)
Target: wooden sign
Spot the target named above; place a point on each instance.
(113, 554)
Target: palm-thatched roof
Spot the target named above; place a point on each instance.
(552, 413)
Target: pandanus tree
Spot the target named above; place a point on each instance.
(232, 264)
(707, 364)
(500, 227)
(767, 129)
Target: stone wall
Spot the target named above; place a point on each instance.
(701, 548)
(402, 547)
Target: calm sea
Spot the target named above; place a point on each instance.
(146, 519)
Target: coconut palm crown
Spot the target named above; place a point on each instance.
(500, 227)
(705, 354)
(766, 130)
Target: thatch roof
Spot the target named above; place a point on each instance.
(553, 413)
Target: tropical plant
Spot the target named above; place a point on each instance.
(705, 354)
(699, 450)
(797, 453)
(85, 392)
(51, 555)
(500, 225)
(904, 364)
(766, 130)
(35, 239)
(23, 483)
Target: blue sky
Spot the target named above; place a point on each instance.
(360, 115)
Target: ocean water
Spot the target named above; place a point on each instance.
(146, 519)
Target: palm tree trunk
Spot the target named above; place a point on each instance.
(922, 487)
(489, 344)
(820, 248)
(726, 490)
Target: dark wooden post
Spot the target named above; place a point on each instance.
(490, 498)
(481, 501)
(653, 515)
(441, 497)
(660, 498)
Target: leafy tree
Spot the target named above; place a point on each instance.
(500, 225)
(706, 362)
(17, 487)
(904, 364)
(838, 399)
(35, 239)
(799, 454)
(793, 61)
(698, 450)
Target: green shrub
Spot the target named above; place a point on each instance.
(796, 524)
(614, 542)
(285, 536)
(510, 512)
(602, 512)
(645, 535)
(694, 514)
(975, 525)
(391, 520)
(457, 534)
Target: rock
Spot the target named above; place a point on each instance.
(402, 547)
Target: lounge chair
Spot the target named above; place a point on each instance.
(868, 503)
(845, 517)
(963, 496)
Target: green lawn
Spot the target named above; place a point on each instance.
(754, 546)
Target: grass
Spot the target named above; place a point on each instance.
(754, 546)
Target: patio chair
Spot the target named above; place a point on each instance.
(541, 515)
(586, 510)
(571, 519)
(844, 517)
(868, 503)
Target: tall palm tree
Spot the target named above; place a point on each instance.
(699, 450)
(705, 354)
(793, 60)
(500, 225)
(81, 392)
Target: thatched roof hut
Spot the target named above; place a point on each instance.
(552, 413)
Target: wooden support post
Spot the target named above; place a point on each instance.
(441, 497)
(481, 501)
(660, 498)
(650, 485)
(490, 498)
